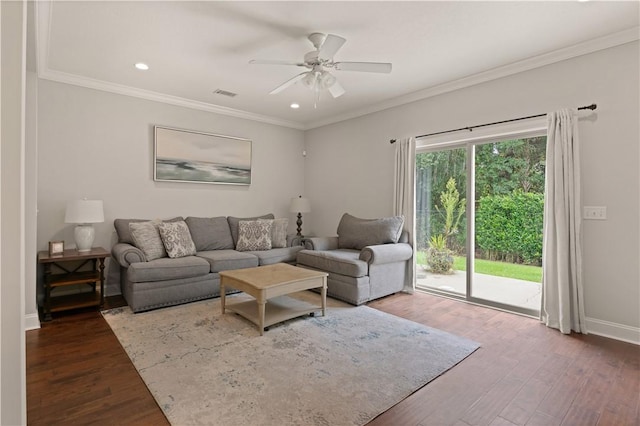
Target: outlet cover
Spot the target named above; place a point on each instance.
(594, 213)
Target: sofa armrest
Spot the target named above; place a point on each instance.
(294, 240)
(321, 243)
(386, 253)
(126, 254)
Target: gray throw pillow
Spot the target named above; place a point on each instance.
(122, 228)
(177, 239)
(356, 233)
(254, 235)
(210, 233)
(146, 237)
(234, 221)
(279, 229)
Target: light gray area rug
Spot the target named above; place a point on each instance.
(206, 368)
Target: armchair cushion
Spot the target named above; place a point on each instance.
(356, 233)
(343, 262)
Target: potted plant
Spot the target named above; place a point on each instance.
(439, 257)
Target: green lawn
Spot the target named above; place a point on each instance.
(498, 269)
(502, 269)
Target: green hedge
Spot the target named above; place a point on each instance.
(509, 227)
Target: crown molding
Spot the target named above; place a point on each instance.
(584, 48)
(119, 89)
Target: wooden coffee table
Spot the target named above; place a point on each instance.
(272, 284)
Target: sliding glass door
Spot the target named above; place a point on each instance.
(509, 205)
(488, 250)
(441, 187)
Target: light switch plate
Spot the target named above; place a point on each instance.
(594, 213)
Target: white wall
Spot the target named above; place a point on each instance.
(349, 165)
(12, 114)
(99, 145)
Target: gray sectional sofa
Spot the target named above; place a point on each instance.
(167, 281)
(368, 259)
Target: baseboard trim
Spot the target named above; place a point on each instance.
(613, 330)
(31, 322)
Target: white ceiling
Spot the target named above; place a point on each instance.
(193, 48)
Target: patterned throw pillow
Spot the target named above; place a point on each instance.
(177, 239)
(146, 237)
(279, 232)
(254, 235)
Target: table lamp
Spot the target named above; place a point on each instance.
(84, 213)
(300, 205)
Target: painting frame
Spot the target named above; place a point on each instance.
(191, 156)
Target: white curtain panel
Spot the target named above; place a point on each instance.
(404, 196)
(562, 286)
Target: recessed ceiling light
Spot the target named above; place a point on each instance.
(295, 105)
(142, 66)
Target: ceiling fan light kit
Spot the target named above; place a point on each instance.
(318, 78)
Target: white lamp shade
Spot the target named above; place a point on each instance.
(84, 211)
(300, 205)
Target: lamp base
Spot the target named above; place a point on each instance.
(84, 235)
(299, 223)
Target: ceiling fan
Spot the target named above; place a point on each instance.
(319, 62)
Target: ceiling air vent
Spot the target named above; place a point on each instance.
(224, 93)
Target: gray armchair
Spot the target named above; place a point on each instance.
(367, 260)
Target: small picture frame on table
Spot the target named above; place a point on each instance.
(56, 248)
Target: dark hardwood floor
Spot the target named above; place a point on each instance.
(524, 373)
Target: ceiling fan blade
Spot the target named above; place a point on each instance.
(381, 67)
(331, 45)
(336, 89)
(288, 83)
(275, 62)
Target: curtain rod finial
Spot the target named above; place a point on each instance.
(392, 141)
(592, 107)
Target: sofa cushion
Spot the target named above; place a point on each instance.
(277, 255)
(279, 229)
(234, 224)
(210, 233)
(343, 262)
(147, 238)
(122, 228)
(225, 260)
(177, 239)
(167, 269)
(356, 233)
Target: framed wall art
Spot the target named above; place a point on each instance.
(191, 156)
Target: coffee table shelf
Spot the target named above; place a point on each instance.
(277, 310)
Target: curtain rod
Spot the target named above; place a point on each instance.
(470, 128)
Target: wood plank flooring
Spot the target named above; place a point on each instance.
(524, 373)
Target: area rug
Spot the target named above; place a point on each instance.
(345, 368)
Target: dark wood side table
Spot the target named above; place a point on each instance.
(71, 268)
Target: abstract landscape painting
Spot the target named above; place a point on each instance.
(190, 156)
